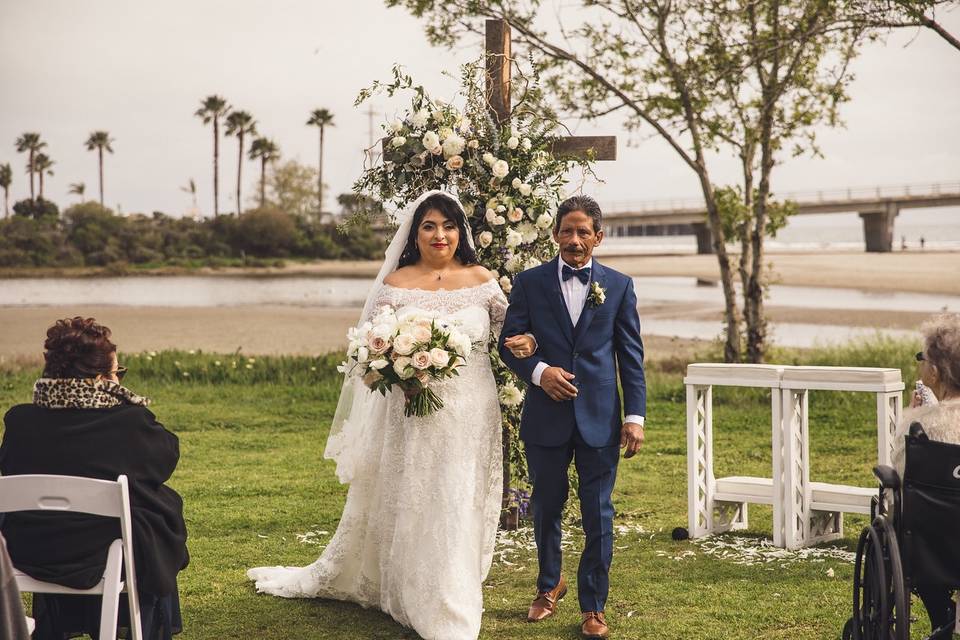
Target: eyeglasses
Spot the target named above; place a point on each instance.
(120, 372)
(920, 357)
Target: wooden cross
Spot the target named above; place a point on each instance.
(498, 97)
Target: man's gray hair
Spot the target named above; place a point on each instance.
(582, 203)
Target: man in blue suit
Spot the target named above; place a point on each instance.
(583, 317)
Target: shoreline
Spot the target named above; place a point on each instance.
(915, 272)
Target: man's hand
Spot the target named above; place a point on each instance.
(631, 437)
(520, 346)
(555, 381)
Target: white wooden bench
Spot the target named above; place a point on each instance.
(804, 512)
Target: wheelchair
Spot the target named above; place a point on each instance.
(912, 543)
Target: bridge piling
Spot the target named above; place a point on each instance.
(704, 237)
(878, 228)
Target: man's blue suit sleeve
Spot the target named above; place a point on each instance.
(517, 322)
(629, 347)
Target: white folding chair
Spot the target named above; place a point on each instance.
(72, 494)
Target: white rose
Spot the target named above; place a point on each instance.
(379, 364)
(501, 208)
(516, 215)
(531, 263)
(510, 396)
(513, 142)
(403, 344)
(377, 344)
(419, 119)
(526, 144)
(513, 239)
(490, 215)
(468, 208)
(454, 163)
(430, 140)
(445, 132)
(544, 221)
(395, 126)
(474, 144)
(398, 141)
(421, 360)
(401, 366)
(500, 168)
(499, 221)
(488, 158)
(525, 189)
(460, 343)
(516, 183)
(505, 284)
(439, 357)
(453, 145)
(495, 274)
(485, 239)
(421, 334)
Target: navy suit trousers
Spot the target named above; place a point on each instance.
(597, 471)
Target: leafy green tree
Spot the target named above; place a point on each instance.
(320, 118)
(240, 124)
(37, 209)
(750, 78)
(96, 232)
(42, 165)
(211, 110)
(99, 141)
(30, 143)
(266, 231)
(266, 151)
(6, 179)
(293, 189)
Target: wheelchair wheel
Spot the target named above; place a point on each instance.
(881, 606)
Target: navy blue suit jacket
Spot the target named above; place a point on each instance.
(605, 338)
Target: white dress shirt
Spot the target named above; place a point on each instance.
(575, 297)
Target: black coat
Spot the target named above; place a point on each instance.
(71, 549)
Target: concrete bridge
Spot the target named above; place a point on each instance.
(877, 206)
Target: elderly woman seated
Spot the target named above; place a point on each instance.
(83, 422)
(939, 370)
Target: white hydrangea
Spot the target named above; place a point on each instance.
(500, 168)
(420, 118)
(531, 263)
(513, 239)
(453, 145)
(510, 396)
(528, 232)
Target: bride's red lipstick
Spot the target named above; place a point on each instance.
(438, 245)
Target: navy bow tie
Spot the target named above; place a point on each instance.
(582, 274)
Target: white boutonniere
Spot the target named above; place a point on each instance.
(598, 295)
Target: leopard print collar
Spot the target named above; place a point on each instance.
(83, 393)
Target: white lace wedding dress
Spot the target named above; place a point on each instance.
(417, 532)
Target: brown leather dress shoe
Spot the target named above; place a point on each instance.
(545, 604)
(594, 625)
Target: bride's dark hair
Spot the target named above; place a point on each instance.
(451, 210)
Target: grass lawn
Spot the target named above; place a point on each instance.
(252, 477)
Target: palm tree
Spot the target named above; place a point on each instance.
(211, 110)
(79, 188)
(42, 164)
(6, 179)
(266, 151)
(320, 118)
(31, 143)
(240, 123)
(99, 140)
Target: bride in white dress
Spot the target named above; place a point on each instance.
(416, 536)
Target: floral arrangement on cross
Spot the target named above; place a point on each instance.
(504, 174)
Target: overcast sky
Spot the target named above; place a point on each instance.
(140, 70)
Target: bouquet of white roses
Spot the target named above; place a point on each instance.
(408, 352)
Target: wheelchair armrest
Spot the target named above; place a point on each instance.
(888, 477)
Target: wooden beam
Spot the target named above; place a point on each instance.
(587, 147)
(498, 69)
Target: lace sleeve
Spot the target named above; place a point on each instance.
(384, 296)
(497, 304)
